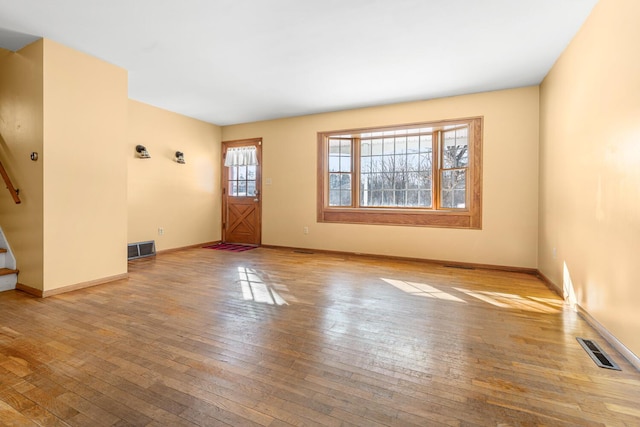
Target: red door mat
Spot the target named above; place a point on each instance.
(230, 247)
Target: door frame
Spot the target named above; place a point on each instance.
(256, 142)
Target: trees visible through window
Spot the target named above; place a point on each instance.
(413, 175)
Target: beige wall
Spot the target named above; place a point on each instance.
(85, 168)
(510, 182)
(88, 195)
(184, 200)
(590, 169)
(21, 133)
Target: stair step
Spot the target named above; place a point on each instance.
(7, 271)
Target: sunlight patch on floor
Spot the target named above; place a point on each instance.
(422, 290)
(497, 299)
(507, 300)
(255, 289)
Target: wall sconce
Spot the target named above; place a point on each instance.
(180, 157)
(142, 152)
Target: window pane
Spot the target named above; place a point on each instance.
(242, 188)
(400, 163)
(387, 163)
(424, 179)
(426, 160)
(454, 184)
(460, 198)
(404, 165)
(233, 188)
(455, 149)
(242, 172)
(387, 181)
(413, 144)
(334, 164)
(345, 181)
(413, 162)
(376, 198)
(425, 198)
(365, 164)
(447, 199)
(389, 146)
(376, 147)
(345, 198)
(426, 144)
(251, 188)
(334, 181)
(365, 190)
(345, 147)
(251, 172)
(376, 164)
(334, 197)
(339, 189)
(345, 164)
(334, 147)
(412, 198)
(365, 148)
(373, 180)
(388, 198)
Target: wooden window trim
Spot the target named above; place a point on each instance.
(468, 218)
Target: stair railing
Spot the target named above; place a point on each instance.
(14, 192)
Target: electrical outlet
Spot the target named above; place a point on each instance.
(554, 253)
(305, 230)
(160, 231)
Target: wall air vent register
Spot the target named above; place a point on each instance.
(141, 249)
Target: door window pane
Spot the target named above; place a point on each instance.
(251, 173)
(242, 188)
(242, 181)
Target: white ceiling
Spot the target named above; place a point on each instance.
(236, 61)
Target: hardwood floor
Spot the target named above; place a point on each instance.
(271, 337)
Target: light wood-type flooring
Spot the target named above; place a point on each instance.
(274, 337)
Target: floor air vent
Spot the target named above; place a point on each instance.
(598, 355)
(141, 249)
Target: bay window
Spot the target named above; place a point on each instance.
(426, 174)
